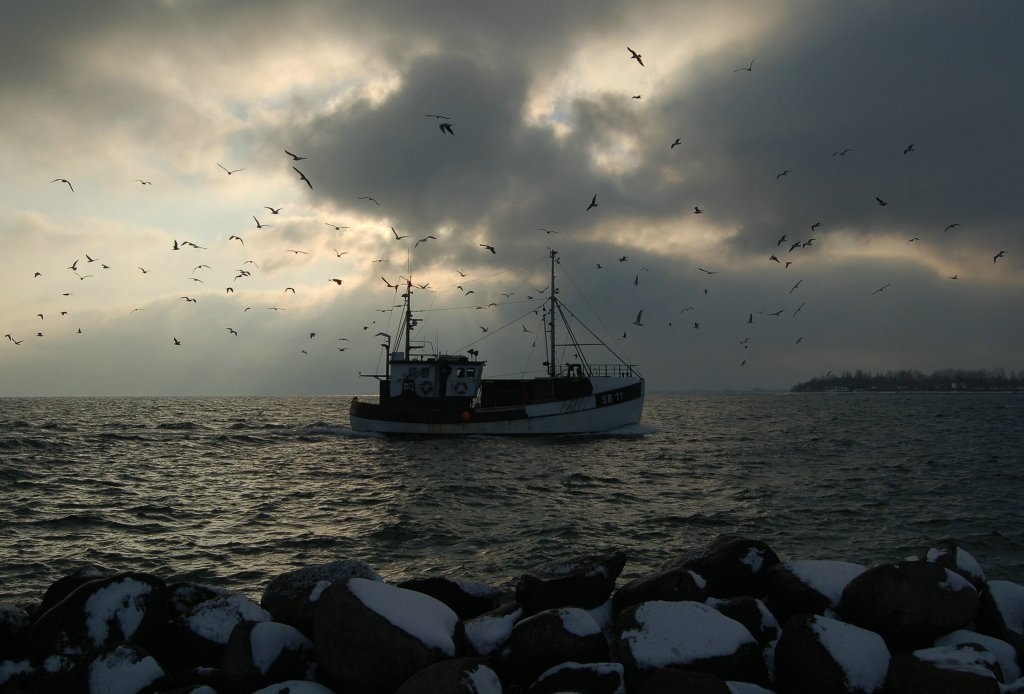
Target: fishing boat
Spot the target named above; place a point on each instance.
(447, 394)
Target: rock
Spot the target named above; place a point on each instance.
(258, 654)
(371, 637)
(200, 637)
(751, 613)
(674, 585)
(455, 676)
(295, 687)
(100, 613)
(468, 600)
(486, 633)
(1001, 609)
(909, 603)
(687, 636)
(287, 594)
(961, 669)
(592, 678)
(14, 624)
(810, 586)
(951, 555)
(586, 582)
(548, 638)
(64, 586)
(823, 655)
(183, 597)
(1005, 653)
(731, 565)
(671, 681)
(125, 669)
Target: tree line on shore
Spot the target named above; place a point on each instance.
(912, 380)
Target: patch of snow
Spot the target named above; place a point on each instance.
(56, 663)
(956, 583)
(603, 614)
(1009, 599)
(1004, 652)
(825, 576)
(578, 621)
(318, 589)
(483, 680)
(682, 632)
(967, 563)
(121, 670)
(598, 668)
(269, 639)
(698, 579)
(862, 654)
(10, 668)
(295, 687)
(121, 600)
(486, 633)
(754, 559)
(962, 658)
(216, 618)
(417, 614)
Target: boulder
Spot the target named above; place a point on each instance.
(467, 599)
(961, 669)
(671, 681)
(585, 582)
(184, 596)
(823, 655)
(486, 633)
(455, 676)
(64, 586)
(125, 669)
(200, 637)
(751, 613)
(951, 555)
(686, 636)
(1005, 653)
(286, 596)
(674, 585)
(371, 636)
(593, 678)
(258, 654)
(14, 625)
(548, 638)
(909, 603)
(809, 586)
(731, 565)
(100, 613)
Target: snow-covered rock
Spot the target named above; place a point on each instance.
(548, 638)
(731, 565)
(964, 668)
(583, 582)
(823, 655)
(809, 586)
(467, 599)
(455, 676)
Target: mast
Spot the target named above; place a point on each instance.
(551, 318)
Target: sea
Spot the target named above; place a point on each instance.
(233, 491)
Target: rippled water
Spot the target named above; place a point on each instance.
(233, 491)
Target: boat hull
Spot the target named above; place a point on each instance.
(614, 403)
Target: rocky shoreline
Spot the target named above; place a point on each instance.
(729, 618)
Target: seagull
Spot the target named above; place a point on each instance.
(490, 248)
(697, 210)
(882, 288)
(236, 238)
(593, 202)
(998, 255)
(230, 171)
(881, 202)
(446, 128)
(176, 341)
(696, 325)
(295, 157)
(637, 321)
(709, 272)
(525, 330)
(913, 239)
(336, 281)
(64, 180)
(434, 115)
(289, 250)
(288, 289)
(815, 226)
(955, 277)
(784, 173)
(367, 197)
(910, 148)
(339, 253)
(145, 183)
(795, 245)
(795, 286)
(232, 331)
(748, 68)
(397, 237)
(773, 257)
(392, 286)
(636, 280)
(335, 226)
(623, 258)
(548, 231)
(633, 55)
(678, 141)
(189, 299)
(951, 226)
(272, 210)
(144, 270)
(482, 328)
(842, 152)
(302, 177)
(424, 240)
(781, 239)
(258, 225)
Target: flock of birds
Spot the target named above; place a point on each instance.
(784, 246)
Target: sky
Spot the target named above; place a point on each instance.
(794, 118)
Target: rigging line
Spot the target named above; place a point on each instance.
(494, 332)
(596, 314)
(604, 344)
(463, 308)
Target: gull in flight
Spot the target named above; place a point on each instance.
(229, 171)
(490, 248)
(881, 202)
(637, 321)
(998, 255)
(237, 238)
(951, 226)
(748, 68)
(882, 288)
(424, 240)
(302, 177)
(258, 224)
(64, 180)
(295, 157)
(367, 197)
(633, 55)
(446, 128)
(678, 141)
(593, 202)
(397, 237)
(272, 210)
(336, 227)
